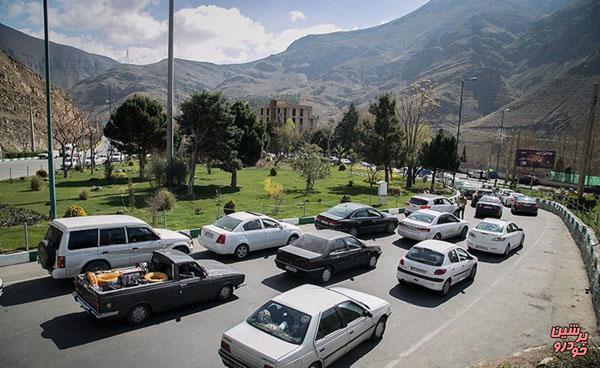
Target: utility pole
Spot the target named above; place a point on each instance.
(587, 148)
(462, 88)
(499, 143)
(514, 175)
(51, 192)
(170, 95)
(31, 128)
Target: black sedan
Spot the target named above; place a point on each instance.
(529, 180)
(356, 218)
(319, 255)
(488, 206)
(525, 205)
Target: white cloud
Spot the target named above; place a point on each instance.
(296, 15)
(204, 33)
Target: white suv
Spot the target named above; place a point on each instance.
(242, 232)
(91, 243)
(430, 201)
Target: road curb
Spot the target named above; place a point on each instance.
(18, 159)
(17, 258)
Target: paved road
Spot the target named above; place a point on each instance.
(20, 168)
(511, 305)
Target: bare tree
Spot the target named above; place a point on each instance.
(414, 107)
(92, 136)
(68, 128)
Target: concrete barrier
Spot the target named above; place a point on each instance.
(586, 240)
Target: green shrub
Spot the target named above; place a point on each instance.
(346, 199)
(161, 200)
(229, 207)
(36, 183)
(350, 183)
(84, 194)
(75, 211)
(42, 173)
(131, 195)
(109, 167)
(179, 170)
(158, 170)
(273, 172)
(342, 167)
(130, 163)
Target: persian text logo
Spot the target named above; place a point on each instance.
(572, 339)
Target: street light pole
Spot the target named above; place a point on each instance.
(462, 88)
(51, 192)
(499, 143)
(170, 94)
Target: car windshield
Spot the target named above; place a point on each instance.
(340, 211)
(281, 321)
(487, 226)
(418, 201)
(53, 236)
(311, 243)
(526, 200)
(228, 223)
(422, 217)
(425, 256)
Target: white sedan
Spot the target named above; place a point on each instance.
(243, 232)
(509, 200)
(436, 265)
(306, 327)
(430, 224)
(495, 236)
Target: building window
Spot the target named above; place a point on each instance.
(301, 122)
(261, 111)
(301, 112)
(267, 111)
(294, 112)
(284, 112)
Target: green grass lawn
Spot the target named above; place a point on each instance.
(192, 211)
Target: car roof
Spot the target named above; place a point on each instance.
(427, 196)
(430, 212)
(526, 199)
(178, 257)
(310, 299)
(81, 222)
(488, 198)
(494, 221)
(352, 205)
(435, 245)
(328, 234)
(243, 215)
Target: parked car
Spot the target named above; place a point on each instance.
(480, 193)
(356, 218)
(321, 254)
(171, 280)
(308, 326)
(524, 205)
(430, 201)
(430, 224)
(495, 236)
(436, 265)
(468, 189)
(488, 206)
(504, 192)
(528, 180)
(509, 200)
(70, 162)
(75, 245)
(240, 233)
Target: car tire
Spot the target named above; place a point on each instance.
(507, 250)
(183, 249)
(138, 314)
(95, 266)
(315, 365)
(463, 232)
(446, 288)
(473, 273)
(391, 228)
(379, 329)
(225, 293)
(292, 239)
(437, 236)
(372, 261)
(241, 251)
(326, 275)
(353, 231)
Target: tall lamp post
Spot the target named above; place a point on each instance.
(109, 98)
(51, 192)
(462, 88)
(170, 94)
(499, 141)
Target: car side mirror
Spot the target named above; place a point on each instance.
(368, 314)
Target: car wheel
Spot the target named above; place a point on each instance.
(463, 232)
(96, 266)
(138, 314)
(241, 251)
(445, 288)
(315, 365)
(353, 232)
(292, 239)
(402, 282)
(507, 250)
(225, 293)
(373, 261)
(437, 236)
(391, 228)
(326, 275)
(183, 249)
(473, 273)
(379, 329)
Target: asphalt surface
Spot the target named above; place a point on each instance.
(19, 168)
(511, 305)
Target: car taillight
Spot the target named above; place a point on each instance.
(516, 204)
(423, 230)
(440, 271)
(225, 346)
(401, 261)
(319, 218)
(60, 261)
(221, 239)
(424, 207)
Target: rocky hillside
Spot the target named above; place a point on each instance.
(18, 84)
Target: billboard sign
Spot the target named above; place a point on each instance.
(536, 158)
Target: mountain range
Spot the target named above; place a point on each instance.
(536, 57)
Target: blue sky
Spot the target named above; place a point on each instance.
(222, 31)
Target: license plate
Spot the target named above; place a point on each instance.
(209, 234)
(417, 270)
(488, 207)
(290, 268)
(480, 247)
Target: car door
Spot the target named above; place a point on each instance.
(438, 205)
(194, 286)
(143, 241)
(357, 324)
(464, 261)
(454, 225)
(82, 247)
(358, 254)
(454, 268)
(331, 338)
(444, 226)
(340, 258)
(378, 222)
(361, 221)
(449, 206)
(255, 235)
(274, 234)
(114, 247)
(514, 235)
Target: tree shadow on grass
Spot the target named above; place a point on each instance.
(352, 191)
(96, 181)
(204, 192)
